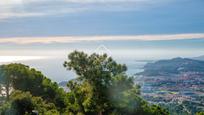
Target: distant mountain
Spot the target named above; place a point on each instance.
(199, 58)
(173, 66)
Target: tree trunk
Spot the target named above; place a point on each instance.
(100, 113)
(7, 91)
(1, 90)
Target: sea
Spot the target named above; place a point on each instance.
(53, 67)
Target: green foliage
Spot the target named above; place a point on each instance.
(97, 71)
(102, 87)
(22, 103)
(200, 113)
(21, 77)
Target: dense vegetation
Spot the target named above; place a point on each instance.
(24, 89)
(100, 88)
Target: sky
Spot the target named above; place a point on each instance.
(128, 29)
(20, 18)
(30, 25)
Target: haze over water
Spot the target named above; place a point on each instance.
(49, 58)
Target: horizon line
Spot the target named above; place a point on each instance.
(72, 39)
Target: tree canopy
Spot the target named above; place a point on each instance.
(21, 77)
(101, 87)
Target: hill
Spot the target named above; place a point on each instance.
(173, 66)
(199, 58)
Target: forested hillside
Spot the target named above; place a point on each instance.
(173, 66)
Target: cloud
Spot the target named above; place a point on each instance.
(34, 8)
(6, 59)
(71, 39)
(30, 8)
(10, 2)
(21, 14)
(104, 1)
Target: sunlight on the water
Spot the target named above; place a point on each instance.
(4, 59)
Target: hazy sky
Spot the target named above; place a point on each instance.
(154, 25)
(129, 29)
(100, 17)
(33, 22)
